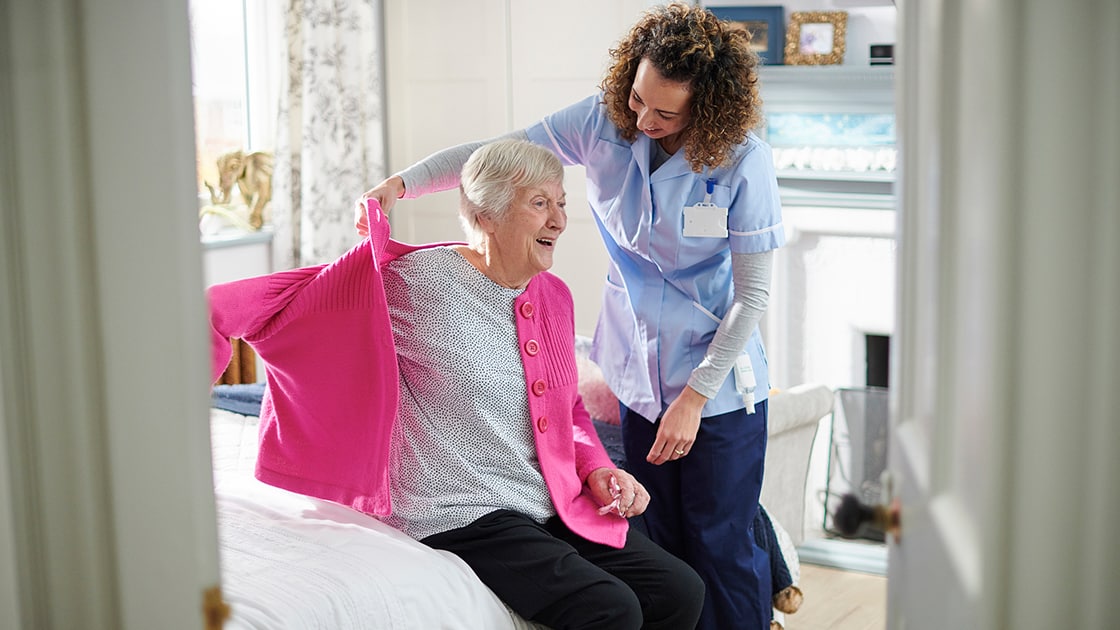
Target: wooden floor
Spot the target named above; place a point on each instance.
(840, 600)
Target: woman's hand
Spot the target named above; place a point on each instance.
(678, 428)
(386, 193)
(624, 497)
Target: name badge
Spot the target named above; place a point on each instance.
(705, 219)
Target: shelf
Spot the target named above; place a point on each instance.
(799, 74)
(839, 88)
(842, 176)
(792, 198)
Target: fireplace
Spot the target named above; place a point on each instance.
(832, 298)
(877, 350)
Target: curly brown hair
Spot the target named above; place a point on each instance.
(690, 45)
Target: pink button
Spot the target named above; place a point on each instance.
(532, 347)
(542, 424)
(539, 387)
(527, 309)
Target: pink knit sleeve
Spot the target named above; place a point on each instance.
(240, 309)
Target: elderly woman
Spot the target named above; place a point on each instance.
(492, 455)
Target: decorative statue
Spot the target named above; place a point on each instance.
(253, 175)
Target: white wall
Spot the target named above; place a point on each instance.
(834, 284)
(501, 66)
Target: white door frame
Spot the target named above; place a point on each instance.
(106, 500)
(1005, 420)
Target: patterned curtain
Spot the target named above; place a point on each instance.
(330, 137)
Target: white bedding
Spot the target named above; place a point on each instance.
(290, 561)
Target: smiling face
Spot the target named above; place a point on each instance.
(520, 245)
(662, 106)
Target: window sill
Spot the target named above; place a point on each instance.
(234, 237)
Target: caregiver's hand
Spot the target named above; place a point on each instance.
(386, 193)
(678, 427)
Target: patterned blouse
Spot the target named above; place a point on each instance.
(463, 444)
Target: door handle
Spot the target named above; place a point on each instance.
(852, 514)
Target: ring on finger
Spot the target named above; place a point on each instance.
(679, 451)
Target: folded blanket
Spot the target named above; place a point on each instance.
(240, 399)
(246, 400)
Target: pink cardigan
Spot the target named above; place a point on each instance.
(325, 338)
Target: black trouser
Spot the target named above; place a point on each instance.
(550, 575)
(703, 507)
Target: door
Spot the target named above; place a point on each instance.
(936, 567)
(1006, 361)
(107, 515)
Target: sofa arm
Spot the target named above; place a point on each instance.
(793, 417)
(794, 407)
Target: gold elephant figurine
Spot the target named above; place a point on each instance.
(253, 175)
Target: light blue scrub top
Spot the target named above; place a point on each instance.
(666, 293)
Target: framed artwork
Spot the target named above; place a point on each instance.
(766, 26)
(816, 38)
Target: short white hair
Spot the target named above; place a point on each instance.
(492, 176)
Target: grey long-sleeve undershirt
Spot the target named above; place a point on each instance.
(751, 272)
(752, 293)
(440, 170)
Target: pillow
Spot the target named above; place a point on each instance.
(597, 396)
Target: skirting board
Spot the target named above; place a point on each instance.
(844, 554)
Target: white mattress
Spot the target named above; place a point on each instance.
(290, 561)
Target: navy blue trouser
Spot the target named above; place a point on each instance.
(702, 509)
(550, 575)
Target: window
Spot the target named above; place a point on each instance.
(236, 58)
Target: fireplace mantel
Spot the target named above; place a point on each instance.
(832, 130)
(841, 88)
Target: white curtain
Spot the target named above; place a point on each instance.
(330, 135)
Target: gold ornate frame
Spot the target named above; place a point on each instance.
(795, 56)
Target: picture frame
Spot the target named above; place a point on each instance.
(816, 38)
(766, 26)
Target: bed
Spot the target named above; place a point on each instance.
(292, 561)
